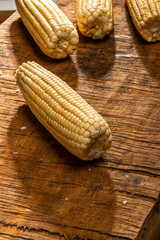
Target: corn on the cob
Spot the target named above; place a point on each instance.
(66, 115)
(146, 17)
(50, 28)
(95, 17)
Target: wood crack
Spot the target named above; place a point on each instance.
(41, 230)
(15, 236)
(25, 228)
(143, 172)
(142, 196)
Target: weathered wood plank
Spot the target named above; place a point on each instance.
(45, 192)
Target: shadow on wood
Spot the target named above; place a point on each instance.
(26, 46)
(151, 227)
(96, 57)
(62, 189)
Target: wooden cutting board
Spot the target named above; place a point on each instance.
(47, 193)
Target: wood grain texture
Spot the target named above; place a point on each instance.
(47, 193)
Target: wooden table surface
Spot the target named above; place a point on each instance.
(47, 193)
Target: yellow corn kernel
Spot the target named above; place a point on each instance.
(66, 115)
(146, 17)
(50, 28)
(95, 17)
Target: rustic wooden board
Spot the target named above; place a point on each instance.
(45, 192)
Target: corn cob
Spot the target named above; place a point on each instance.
(66, 115)
(50, 28)
(94, 17)
(146, 17)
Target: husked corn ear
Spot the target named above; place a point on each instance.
(146, 17)
(50, 28)
(95, 17)
(66, 115)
